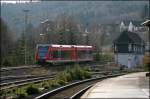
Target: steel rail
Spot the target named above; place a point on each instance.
(23, 82)
(37, 66)
(23, 76)
(55, 91)
(19, 67)
(33, 80)
(80, 93)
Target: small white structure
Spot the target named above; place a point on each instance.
(122, 26)
(129, 49)
(131, 27)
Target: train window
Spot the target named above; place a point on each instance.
(42, 50)
(81, 54)
(55, 54)
(89, 54)
(89, 51)
(65, 54)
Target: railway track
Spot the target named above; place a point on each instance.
(8, 79)
(74, 90)
(56, 65)
(16, 83)
(13, 81)
(19, 67)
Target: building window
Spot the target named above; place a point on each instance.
(129, 47)
(115, 48)
(134, 48)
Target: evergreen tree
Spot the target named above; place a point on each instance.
(6, 43)
(25, 52)
(21, 50)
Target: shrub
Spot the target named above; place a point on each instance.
(62, 76)
(72, 74)
(46, 85)
(2, 94)
(61, 82)
(86, 69)
(80, 74)
(96, 57)
(32, 89)
(77, 73)
(87, 74)
(54, 83)
(68, 76)
(21, 95)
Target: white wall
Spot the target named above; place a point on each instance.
(129, 60)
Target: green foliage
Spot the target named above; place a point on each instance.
(32, 89)
(102, 57)
(17, 54)
(77, 73)
(96, 57)
(46, 85)
(6, 62)
(21, 95)
(20, 92)
(54, 83)
(87, 74)
(62, 76)
(61, 82)
(3, 94)
(107, 57)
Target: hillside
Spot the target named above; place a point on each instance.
(100, 11)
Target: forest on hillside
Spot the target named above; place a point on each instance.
(93, 23)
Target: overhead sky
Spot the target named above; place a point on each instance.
(17, 1)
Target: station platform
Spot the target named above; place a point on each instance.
(134, 85)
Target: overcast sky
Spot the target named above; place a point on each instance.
(16, 1)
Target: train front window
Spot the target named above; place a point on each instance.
(42, 50)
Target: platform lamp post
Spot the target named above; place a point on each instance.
(42, 36)
(25, 31)
(71, 37)
(85, 34)
(147, 23)
(43, 33)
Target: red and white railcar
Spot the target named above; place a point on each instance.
(63, 53)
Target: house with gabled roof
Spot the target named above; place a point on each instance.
(129, 49)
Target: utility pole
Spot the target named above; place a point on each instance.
(86, 34)
(25, 32)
